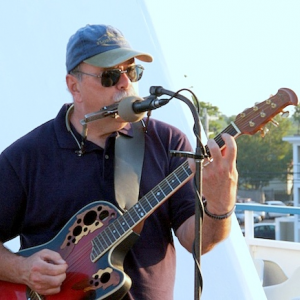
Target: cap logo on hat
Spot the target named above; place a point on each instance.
(112, 37)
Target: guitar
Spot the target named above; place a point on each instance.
(96, 239)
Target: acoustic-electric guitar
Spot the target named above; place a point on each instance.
(96, 239)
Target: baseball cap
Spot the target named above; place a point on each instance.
(102, 46)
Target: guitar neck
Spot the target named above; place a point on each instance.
(123, 225)
(248, 122)
(231, 129)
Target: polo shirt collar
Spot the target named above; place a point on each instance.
(65, 138)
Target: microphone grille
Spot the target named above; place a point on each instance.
(126, 112)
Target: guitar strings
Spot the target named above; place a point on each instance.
(253, 115)
(79, 263)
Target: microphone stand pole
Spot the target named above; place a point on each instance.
(198, 156)
(198, 226)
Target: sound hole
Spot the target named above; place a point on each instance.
(90, 218)
(77, 230)
(103, 215)
(105, 277)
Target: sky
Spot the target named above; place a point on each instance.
(231, 54)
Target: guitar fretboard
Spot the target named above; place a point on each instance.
(231, 129)
(121, 226)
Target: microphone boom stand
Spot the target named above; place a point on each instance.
(198, 156)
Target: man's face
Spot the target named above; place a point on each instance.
(93, 96)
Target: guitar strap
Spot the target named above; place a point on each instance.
(129, 156)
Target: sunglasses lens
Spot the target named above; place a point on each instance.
(110, 77)
(135, 73)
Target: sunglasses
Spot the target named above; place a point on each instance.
(111, 77)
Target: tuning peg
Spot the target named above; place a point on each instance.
(285, 114)
(262, 114)
(263, 131)
(275, 123)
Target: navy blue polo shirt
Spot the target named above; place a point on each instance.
(44, 183)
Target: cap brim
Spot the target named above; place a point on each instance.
(115, 57)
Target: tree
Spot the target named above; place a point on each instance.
(296, 118)
(216, 120)
(263, 159)
(259, 159)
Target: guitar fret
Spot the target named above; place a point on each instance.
(169, 184)
(159, 194)
(111, 234)
(135, 209)
(145, 205)
(118, 226)
(93, 254)
(122, 223)
(106, 238)
(153, 198)
(104, 232)
(133, 220)
(128, 219)
(161, 191)
(100, 244)
(96, 250)
(230, 129)
(115, 230)
(177, 178)
(102, 241)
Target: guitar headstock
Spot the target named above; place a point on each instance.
(253, 119)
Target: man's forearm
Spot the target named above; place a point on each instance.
(10, 265)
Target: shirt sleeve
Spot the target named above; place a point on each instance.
(182, 203)
(11, 201)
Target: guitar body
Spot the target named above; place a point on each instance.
(87, 278)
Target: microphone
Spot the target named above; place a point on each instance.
(131, 109)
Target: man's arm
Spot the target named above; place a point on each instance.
(43, 272)
(219, 183)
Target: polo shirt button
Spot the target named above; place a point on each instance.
(106, 156)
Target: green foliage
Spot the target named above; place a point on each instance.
(296, 118)
(217, 121)
(263, 159)
(260, 159)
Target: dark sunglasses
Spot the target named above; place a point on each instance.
(111, 77)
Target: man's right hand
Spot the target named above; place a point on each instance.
(44, 272)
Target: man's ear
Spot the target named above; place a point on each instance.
(72, 84)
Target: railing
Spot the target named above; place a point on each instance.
(250, 208)
(268, 208)
(285, 254)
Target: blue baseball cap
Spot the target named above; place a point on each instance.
(102, 46)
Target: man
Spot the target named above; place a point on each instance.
(60, 167)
